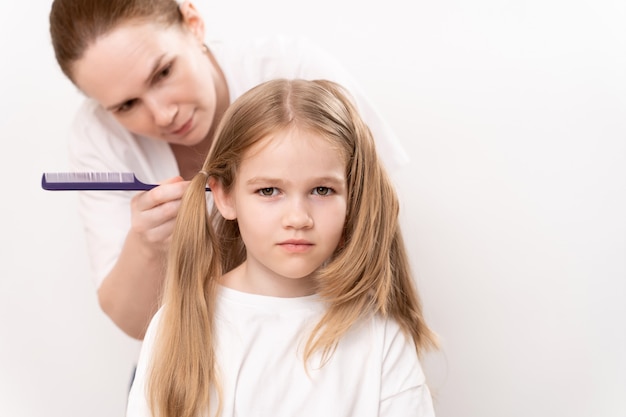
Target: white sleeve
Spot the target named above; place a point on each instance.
(97, 143)
(105, 215)
(403, 387)
(137, 405)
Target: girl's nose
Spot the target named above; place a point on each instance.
(297, 215)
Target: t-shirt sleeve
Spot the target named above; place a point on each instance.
(137, 404)
(105, 215)
(98, 143)
(404, 391)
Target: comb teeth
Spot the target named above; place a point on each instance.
(89, 177)
(76, 181)
(92, 181)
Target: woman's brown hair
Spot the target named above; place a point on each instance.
(76, 24)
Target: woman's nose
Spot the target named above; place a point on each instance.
(163, 114)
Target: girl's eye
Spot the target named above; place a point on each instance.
(266, 192)
(322, 191)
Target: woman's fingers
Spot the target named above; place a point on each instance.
(153, 212)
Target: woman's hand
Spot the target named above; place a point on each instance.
(153, 212)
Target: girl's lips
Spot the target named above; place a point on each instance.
(296, 246)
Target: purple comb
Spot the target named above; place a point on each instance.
(77, 181)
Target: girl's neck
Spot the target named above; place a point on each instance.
(243, 279)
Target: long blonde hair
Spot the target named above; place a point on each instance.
(368, 274)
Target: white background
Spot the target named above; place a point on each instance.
(514, 203)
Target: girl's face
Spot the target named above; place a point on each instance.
(156, 80)
(289, 200)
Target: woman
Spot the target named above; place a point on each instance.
(155, 93)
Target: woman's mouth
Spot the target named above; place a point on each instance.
(184, 128)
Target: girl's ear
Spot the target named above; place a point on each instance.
(193, 20)
(223, 201)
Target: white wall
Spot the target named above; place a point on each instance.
(514, 204)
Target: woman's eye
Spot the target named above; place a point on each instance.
(322, 190)
(164, 73)
(267, 192)
(125, 106)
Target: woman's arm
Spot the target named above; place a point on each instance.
(129, 294)
(126, 233)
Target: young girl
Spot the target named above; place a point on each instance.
(293, 297)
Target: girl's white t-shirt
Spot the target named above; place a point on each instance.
(374, 372)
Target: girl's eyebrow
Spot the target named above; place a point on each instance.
(156, 66)
(264, 180)
(280, 181)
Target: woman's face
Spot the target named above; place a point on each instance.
(156, 80)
